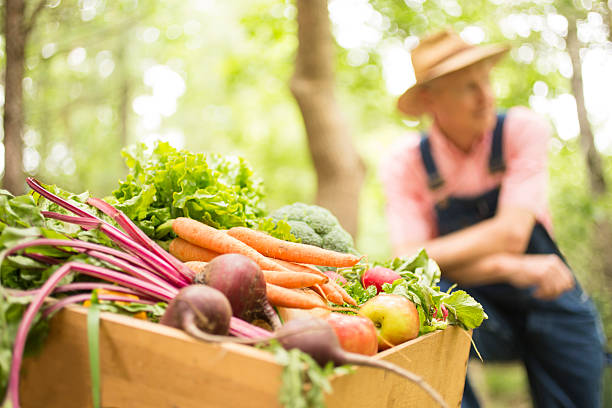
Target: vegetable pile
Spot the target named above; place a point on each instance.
(230, 273)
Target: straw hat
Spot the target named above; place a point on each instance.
(441, 54)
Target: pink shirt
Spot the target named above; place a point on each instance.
(410, 202)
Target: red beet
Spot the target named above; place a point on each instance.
(240, 279)
(200, 311)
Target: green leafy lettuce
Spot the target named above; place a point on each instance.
(165, 183)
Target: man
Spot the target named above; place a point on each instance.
(473, 193)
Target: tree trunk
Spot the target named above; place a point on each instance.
(587, 141)
(15, 36)
(597, 182)
(340, 171)
(606, 13)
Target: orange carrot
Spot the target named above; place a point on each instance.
(345, 296)
(298, 298)
(291, 251)
(331, 293)
(216, 240)
(298, 267)
(292, 280)
(186, 251)
(319, 290)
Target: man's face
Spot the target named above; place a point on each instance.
(463, 102)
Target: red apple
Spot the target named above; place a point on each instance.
(356, 333)
(395, 318)
(377, 276)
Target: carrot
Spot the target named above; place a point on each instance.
(186, 251)
(345, 296)
(297, 298)
(331, 293)
(205, 236)
(319, 290)
(291, 251)
(292, 280)
(298, 267)
(288, 279)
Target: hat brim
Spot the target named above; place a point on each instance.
(408, 102)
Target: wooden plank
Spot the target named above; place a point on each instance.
(440, 358)
(145, 365)
(149, 365)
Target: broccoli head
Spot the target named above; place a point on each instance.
(315, 225)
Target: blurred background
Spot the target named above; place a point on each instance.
(84, 78)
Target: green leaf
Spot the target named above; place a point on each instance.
(419, 284)
(358, 292)
(278, 229)
(303, 382)
(464, 310)
(154, 312)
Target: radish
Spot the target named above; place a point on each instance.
(336, 277)
(199, 310)
(240, 279)
(317, 338)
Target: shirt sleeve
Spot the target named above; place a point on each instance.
(407, 209)
(525, 144)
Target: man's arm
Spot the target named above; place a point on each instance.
(507, 232)
(547, 273)
(492, 251)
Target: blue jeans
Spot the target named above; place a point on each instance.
(560, 342)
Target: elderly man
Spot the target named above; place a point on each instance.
(473, 192)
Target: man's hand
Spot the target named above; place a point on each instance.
(547, 273)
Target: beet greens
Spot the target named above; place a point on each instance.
(44, 244)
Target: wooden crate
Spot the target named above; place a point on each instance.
(147, 365)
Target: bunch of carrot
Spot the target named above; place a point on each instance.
(291, 279)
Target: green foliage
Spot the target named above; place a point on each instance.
(356, 290)
(165, 183)
(419, 284)
(22, 221)
(304, 383)
(277, 228)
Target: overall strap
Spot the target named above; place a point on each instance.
(434, 180)
(496, 160)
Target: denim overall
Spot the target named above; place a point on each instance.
(559, 341)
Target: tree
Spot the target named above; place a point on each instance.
(598, 187)
(17, 28)
(340, 171)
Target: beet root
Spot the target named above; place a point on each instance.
(201, 311)
(240, 279)
(317, 338)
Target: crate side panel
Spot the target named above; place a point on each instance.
(440, 358)
(145, 368)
